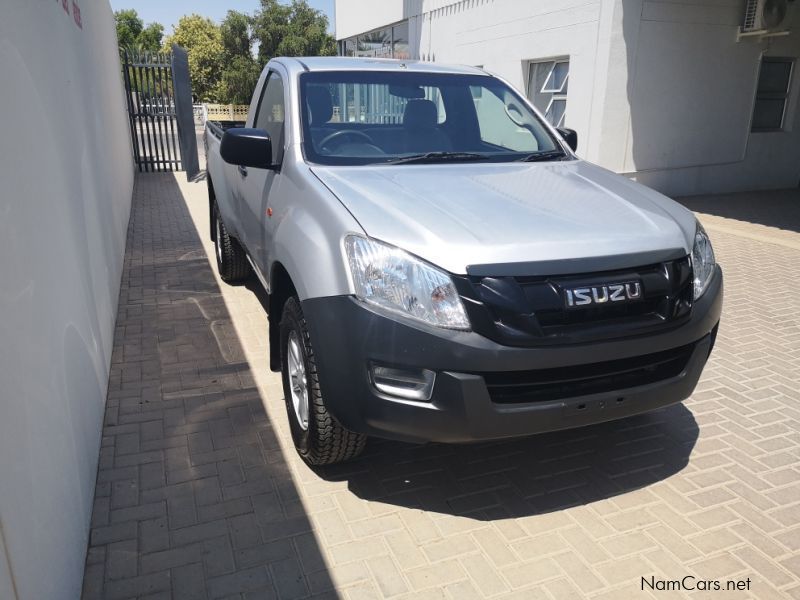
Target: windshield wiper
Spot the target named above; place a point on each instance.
(434, 157)
(540, 156)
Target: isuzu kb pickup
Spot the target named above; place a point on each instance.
(441, 266)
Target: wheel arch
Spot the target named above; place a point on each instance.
(281, 289)
(212, 201)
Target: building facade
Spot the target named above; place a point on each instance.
(669, 94)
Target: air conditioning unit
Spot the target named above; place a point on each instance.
(764, 16)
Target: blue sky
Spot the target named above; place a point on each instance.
(167, 12)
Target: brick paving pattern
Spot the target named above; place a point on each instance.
(200, 494)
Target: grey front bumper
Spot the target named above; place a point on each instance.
(348, 336)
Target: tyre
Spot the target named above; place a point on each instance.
(317, 435)
(231, 260)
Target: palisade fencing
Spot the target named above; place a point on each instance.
(152, 111)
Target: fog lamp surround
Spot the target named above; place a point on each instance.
(410, 384)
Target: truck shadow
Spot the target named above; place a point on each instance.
(528, 476)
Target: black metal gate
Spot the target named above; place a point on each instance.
(154, 110)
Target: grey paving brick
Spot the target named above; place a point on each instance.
(138, 513)
(174, 557)
(113, 533)
(137, 586)
(188, 582)
(243, 580)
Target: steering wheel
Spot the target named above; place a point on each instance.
(342, 133)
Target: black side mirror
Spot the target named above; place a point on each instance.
(247, 148)
(570, 136)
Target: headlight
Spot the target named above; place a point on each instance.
(702, 261)
(393, 279)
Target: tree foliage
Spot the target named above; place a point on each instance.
(222, 64)
(203, 43)
(293, 30)
(240, 70)
(151, 36)
(131, 32)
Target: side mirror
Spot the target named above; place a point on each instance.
(570, 136)
(247, 148)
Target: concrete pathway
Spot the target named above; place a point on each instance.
(200, 493)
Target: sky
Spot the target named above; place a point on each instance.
(167, 12)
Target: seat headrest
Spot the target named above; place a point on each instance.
(320, 104)
(420, 114)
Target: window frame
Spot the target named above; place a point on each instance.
(784, 96)
(555, 94)
(276, 160)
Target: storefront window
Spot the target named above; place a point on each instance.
(389, 42)
(376, 44)
(400, 41)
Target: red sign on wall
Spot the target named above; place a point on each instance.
(76, 11)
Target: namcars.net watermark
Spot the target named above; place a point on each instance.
(690, 583)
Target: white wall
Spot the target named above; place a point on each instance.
(357, 16)
(67, 176)
(659, 90)
(689, 93)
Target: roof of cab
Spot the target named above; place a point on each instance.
(346, 63)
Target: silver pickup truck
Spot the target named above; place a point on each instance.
(441, 266)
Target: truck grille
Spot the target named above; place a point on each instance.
(532, 311)
(542, 385)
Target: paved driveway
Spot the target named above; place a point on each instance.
(200, 494)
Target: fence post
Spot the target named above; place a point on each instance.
(184, 111)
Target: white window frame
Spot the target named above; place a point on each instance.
(556, 94)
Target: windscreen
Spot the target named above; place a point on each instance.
(368, 117)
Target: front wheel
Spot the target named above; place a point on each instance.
(317, 435)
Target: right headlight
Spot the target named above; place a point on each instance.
(397, 281)
(703, 261)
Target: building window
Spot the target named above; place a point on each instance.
(400, 41)
(390, 42)
(774, 79)
(547, 88)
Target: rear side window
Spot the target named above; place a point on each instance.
(271, 113)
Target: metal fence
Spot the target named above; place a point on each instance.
(152, 110)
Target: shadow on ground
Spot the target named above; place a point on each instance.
(528, 476)
(194, 498)
(774, 208)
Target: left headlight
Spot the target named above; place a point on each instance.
(703, 261)
(393, 279)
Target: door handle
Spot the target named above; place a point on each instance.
(242, 171)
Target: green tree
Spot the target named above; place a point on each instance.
(203, 43)
(129, 27)
(151, 36)
(240, 71)
(131, 32)
(235, 32)
(294, 30)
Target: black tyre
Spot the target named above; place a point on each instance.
(317, 435)
(231, 260)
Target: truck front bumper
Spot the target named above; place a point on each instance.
(349, 337)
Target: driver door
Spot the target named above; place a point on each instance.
(257, 185)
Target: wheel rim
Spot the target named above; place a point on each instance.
(297, 380)
(217, 240)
